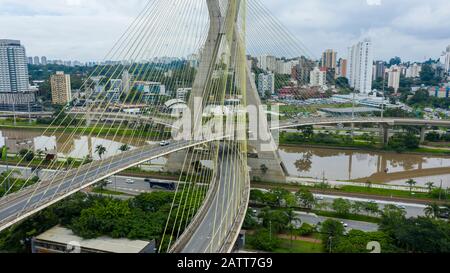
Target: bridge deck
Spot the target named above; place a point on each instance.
(17, 206)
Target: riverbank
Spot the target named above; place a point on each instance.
(419, 151)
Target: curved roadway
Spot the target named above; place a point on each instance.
(18, 206)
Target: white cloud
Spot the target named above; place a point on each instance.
(87, 29)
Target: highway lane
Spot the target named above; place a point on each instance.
(14, 207)
(209, 236)
(315, 220)
(412, 210)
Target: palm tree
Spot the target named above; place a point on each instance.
(433, 210)
(292, 217)
(411, 184)
(430, 186)
(100, 150)
(124, 148)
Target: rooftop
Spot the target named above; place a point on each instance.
(62, 235)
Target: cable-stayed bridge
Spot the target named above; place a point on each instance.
(214, 169)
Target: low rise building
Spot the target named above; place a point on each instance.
(62, 240)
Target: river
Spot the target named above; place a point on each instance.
(333, 164)
(363, 166)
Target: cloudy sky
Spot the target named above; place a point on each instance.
(86, 29)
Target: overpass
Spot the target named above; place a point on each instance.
(18, 206)
(115, 117)
(389, 121)
(26, 114)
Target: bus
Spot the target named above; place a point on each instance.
(158, 184)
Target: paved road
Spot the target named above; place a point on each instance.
(313, 219)
(15, 207)
(412, 210)
(219, 218)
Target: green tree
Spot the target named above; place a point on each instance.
(274, 220)
(264, 240)
(371, 208)
(356, 241)
(124, 148)
(257, 196)
(411, 183)
(100, 150)
(70, 161)
(306, 199)
(395, 61)
(433, 210)
(342, 207)
(430, 186)
(423, 235)
(391, 218)
(332, 231)
(282, 196)
(27, 155)
(250, 221)
(308, 131)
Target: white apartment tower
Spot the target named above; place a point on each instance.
(360, 66)
(13, 67)
(318, 77)
(445, 59)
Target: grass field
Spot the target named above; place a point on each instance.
(298, 247)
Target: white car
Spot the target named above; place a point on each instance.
(344, 224)
(164, 143)
(130, 181)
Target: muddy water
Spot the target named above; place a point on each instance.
(363, 166)
(67, 145)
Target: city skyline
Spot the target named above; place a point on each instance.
(396, 29)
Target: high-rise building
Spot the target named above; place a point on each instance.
(267, 63)
(13, 67)
(266, 84)
(61, 90)
(329, 59)
(342, 71)
(360, 66)
(30, 60)
(394, 74)
(126, 81)
(37, 60)
(445, 59)
(44, 60)
(318, 77)
(413, 71)
(301, 72)
(379, 69)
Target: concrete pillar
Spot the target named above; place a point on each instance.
(423, 130)
(385, 133)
